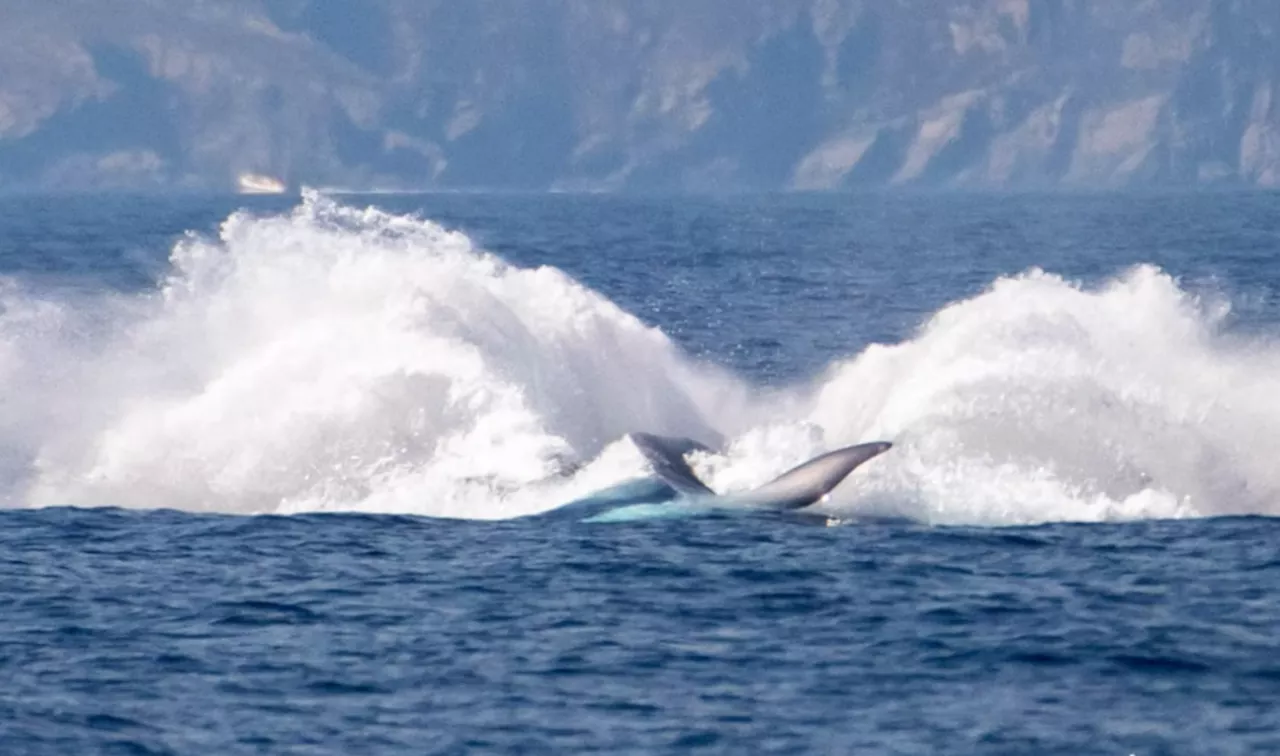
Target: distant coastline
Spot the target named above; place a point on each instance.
(583, 96)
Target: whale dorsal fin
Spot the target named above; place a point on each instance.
(806, 484)
(666, 455)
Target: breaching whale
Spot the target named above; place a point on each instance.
(676, 491)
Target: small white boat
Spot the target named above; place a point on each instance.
(257, 183)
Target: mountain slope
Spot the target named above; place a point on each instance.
(639, 94)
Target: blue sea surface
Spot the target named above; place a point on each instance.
(181, 577)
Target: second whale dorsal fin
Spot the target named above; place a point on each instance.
(807, 483)
(666, 456)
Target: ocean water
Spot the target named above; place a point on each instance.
(272, 469)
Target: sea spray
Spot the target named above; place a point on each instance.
(334, 358)
(1041, 400)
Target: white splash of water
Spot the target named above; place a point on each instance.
(343, 359)
(1040, 400)
(336, 358)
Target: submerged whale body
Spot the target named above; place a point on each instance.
(676, 491)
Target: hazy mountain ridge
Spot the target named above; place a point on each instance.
(617, 94)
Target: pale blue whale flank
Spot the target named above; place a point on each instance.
(676, 491)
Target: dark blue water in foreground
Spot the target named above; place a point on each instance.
(156, 633)
(162, 632)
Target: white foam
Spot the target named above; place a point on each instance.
(342, 359)
(1040, 400)
(336, 358)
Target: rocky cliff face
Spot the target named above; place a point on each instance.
(639, 94)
